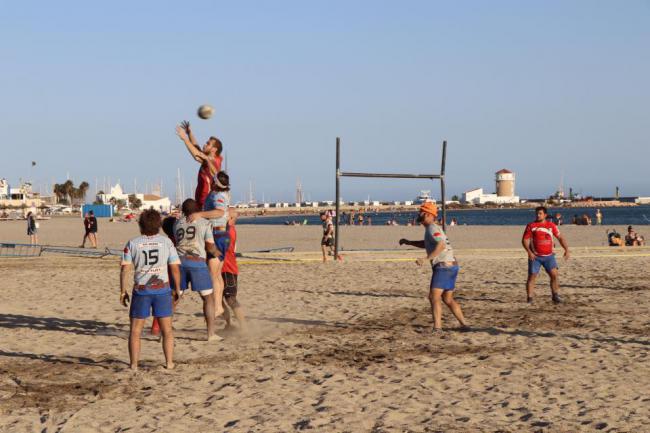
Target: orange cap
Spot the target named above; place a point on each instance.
(430, 208)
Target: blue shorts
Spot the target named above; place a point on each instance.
(222, 242)
(145, 303)
(196, 274)
(444, 277)
(548, 262)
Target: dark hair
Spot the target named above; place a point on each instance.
(91, 213)
(542, 208)
(189, 207)
(223, 179)
(149, 222)
(168, 227)
(218, 143)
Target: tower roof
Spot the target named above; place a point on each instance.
(504, 171)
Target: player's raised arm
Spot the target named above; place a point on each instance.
(194, 149)
(188, 129)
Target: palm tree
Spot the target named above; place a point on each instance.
(68, 190)
(81, 191)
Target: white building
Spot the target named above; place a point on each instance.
(151, 201)
(476, 196)
(116, 194)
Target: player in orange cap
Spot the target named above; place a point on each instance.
(444, 265)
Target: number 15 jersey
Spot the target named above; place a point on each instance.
(191, 237)
(150, 256)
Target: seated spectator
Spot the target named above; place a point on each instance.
(614, 239)
(632, 239)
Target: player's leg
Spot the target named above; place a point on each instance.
(167, 340)
(323, 247)
(230, 297)
(93, 239)
(163, 311)
(435, 299)
(208, 313)
(448, 299)
(238, 311)
(533, 270)
(214, 265)
(134, 341)
(555, 285)
(83, 242)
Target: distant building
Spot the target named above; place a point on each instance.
(152, 201)
(115, 194)
(18, 197)
(505, 183)
(149, 201)
(505, 191)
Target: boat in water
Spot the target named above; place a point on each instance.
(424, 197)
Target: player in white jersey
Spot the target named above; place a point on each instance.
(216, 211)
(193, 241)
(151, 256)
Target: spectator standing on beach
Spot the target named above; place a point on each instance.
(599, 217)
(90, 227)
(32, 228)
(327, 241)
(538, 243)
(443, 263)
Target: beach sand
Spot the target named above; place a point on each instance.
(333, 347)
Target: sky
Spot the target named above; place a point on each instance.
(556, 91)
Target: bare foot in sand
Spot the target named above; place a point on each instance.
(215, 337)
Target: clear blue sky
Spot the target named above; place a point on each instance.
(546, 89)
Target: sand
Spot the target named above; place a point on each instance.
(335, 347)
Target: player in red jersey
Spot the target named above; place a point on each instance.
(209, 157)
(230, 272)
(538, 243)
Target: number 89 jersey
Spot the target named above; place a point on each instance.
(191, 237)
(150, 256)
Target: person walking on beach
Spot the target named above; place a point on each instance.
(193, 239)
(90, 227)
(209, 157)
(443, 263)
(599, 217)
(32, 228)
(327, 241)
(538, 243)
(152, 257)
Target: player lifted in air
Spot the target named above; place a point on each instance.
(444, 265)
(538, 243)
(150, 255)
(193, 239)
(216, 210)
(209, 157)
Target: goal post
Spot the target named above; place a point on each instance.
(340, 174)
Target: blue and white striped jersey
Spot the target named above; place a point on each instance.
(218, 200)
(150, 256)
